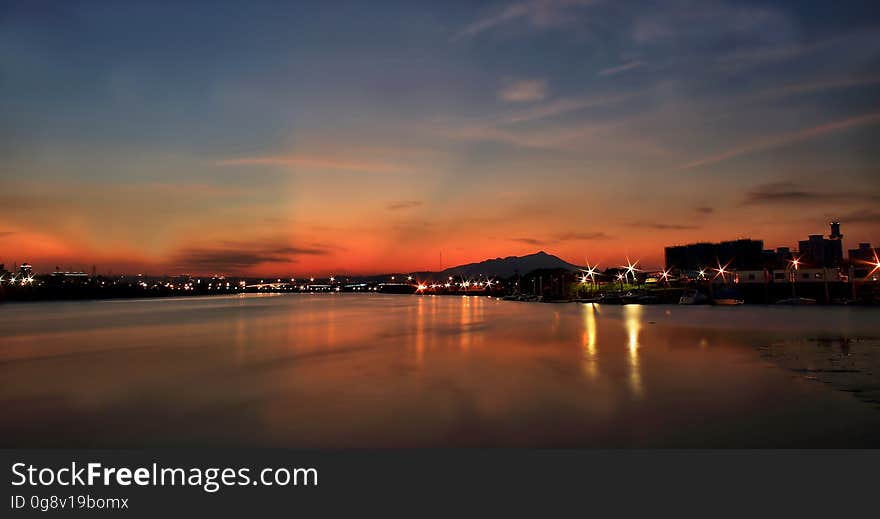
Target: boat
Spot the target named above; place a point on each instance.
(693, 297)
(727, 297)
(796, 301)
(727, 301)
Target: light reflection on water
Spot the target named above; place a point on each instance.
(589, 340)
(633, 323)
(379, 370)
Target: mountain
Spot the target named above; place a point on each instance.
(510, 266)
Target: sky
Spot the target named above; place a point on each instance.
(310, 138)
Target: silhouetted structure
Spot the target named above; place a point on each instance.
(25, 270)
(864, 253)
(739, 254)
(818, 251)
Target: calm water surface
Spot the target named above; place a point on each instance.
(388, 371)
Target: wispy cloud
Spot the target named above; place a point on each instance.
(396, 205)
(792, 193)
(564, 237)
(564, 106)
(537, 13)
(234, 256)
(305, 161)
(529, 241)
(692, 22)
(704, 210)
(4, 234)
(777, 141)
(582, 236)
(665, 226)
(783, 192)
(611, 71)
(524, 91)
(600, 137)
(860, 216)
(818, 86)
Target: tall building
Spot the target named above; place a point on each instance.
(818, 251)
(737, 254)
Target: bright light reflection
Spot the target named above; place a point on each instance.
(633, 324)
(590, 362)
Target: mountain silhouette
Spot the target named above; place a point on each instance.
(510, 266)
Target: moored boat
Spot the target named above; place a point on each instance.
(728, 297)
(693, 297)
(796, 301)
(727, 301)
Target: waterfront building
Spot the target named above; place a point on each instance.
(70, 276)
(864, 253)
(786, 275)
(819, 251)
(863, 260)
(736, 254)
(25, 270)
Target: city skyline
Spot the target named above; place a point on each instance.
(269, 139)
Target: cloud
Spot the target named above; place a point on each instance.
(860, 216)
(304, 161)
(4, 234)
(582, 236)
(666, 226)
(235, 256)
(818, 86)
(691, 22)
(403, 204)
(537, 13)
(776, 192)
(524, 91)
(602, 137)
(621, 68)
(566, 236)
(777, 141)
(761, 55)
(704, 210)
(792, 193)
(529, 241)
(563, 106)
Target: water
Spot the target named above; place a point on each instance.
(338, 370)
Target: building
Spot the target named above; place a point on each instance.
(819, 251)
(25, 270)
(865, 253)
(864, 260)
(736, 254)
(802, 275)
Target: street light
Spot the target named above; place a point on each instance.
(795, 265)
(722, 271)
(665, 276)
